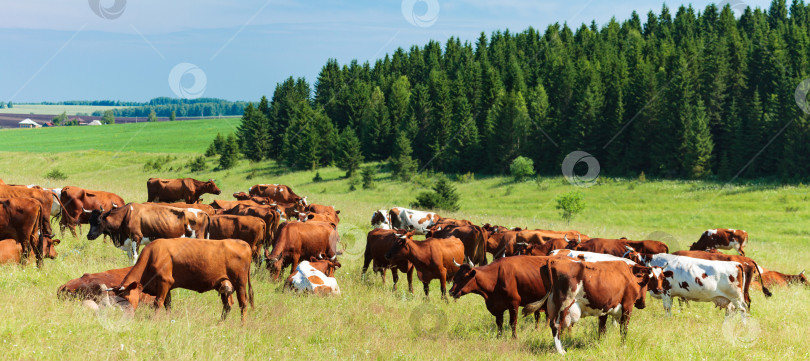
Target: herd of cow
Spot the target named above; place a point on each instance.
(204, 247)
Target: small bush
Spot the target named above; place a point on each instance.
(56, 174)
(466, 177)
(521, 168)
(354, 181)
(642, 177)
(570, 204)
(197, 164)
(444, 196)
(152, 165)
(368, 174)
(317, 178)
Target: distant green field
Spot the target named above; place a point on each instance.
(188, 136)
(53, 109)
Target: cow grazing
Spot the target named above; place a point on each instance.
(268, 214)
(296, 241)
(505, 285)
(378, 242)
(694, 279)
(278, 193)
(601, 289)
(617, 248)
(195, 264)
(749, 265)
(380, 219)
(545, 248)
(76, 199)
(473, 237)
(173, 190)
(721, 238)
(329, 211)
(94, 286)
(307, 278)
(773, 279)
(501, 242)
(21, 220)
(419, 221)
(433, 258)
(250, 229)
(136, 224)
(10, 251)
(203, 207)
(221, 206)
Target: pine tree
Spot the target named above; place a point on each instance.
(403, 167)
(349, 155)
(230, 152)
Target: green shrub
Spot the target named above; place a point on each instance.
(55, 174)
(570, 204)
(368, 177)
(197, 164)
(317, 177)
(354, 181)
(521, 168)
(444, 196)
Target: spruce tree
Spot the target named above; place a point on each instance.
(350, 156)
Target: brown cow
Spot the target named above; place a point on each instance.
(10, 251)
(221, 206)
(172, 190)
(278, 193)
(445, 222)
(432, 258)
(268, 214)
(500, 240)
(195, 264)
(721, 238)
(20, 219)
(296, 241)
(749, 266)
(617, 248)
(540, 236)
(506, 284)
(378, 242)
(600, 289)
(94, 286)
(46, 202)
(473, 237)
(136, 224)
(327, 211)
(76, 199)
(545, 248)
(250, 229)
(773, 278)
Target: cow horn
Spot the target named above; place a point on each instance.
(456, 263)
(102, 209)
(629, 248)
(114, 205)
(109, 290)
(86, 211)
(801, 273)
(565, 237)
(523, 244)
(470, 262)
(665, 266)
(320, 256)
(333, 258)
(579, 239)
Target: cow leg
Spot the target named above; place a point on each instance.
(162, 293)
(555, 331)
(602, 326)
(443, 281)
(513, 321)
(167, 303)
(667, 301)
(427, 288)
(409, 275)
(226, 305)
(241, 296)
(536, 320)
(395, 277)
(499, 323)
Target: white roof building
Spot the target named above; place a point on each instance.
(28, 123)
(95, 122)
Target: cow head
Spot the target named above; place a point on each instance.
(572, 244)
(96, 218)
(634, 255)
(327, 266)
(108, 222)
(400, 247)
(464, 281)
(211, 187)
(379, 220)
(48, 247)
(241, 196)
(649, 279)
(258, 200)
(800, 278)
(131, 293)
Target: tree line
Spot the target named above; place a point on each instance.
(690, 95)
(165, 107)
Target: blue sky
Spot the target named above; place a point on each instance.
(64, 50)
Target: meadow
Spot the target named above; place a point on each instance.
(54, 109)
(369, 321)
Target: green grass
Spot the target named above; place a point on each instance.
(54, 109)
(369, 321)
(187, 136)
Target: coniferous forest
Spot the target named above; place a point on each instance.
(690, 94)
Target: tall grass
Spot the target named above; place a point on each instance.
(369, 321)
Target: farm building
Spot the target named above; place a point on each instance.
(95, 122)
(28, 123)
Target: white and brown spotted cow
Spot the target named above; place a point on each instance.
(721, 238)
(419, 221)
(380, 219)
(308, 279)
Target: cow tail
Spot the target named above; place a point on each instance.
(765, 290)
(481, 249)
(250, 289)
(545, 274)
(65, 220)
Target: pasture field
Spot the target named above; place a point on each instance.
(369, 321)
(54, 109)
(187, 136)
